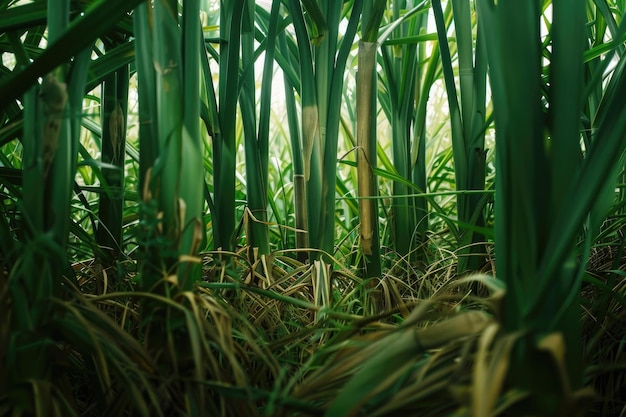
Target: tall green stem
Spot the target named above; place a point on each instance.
(541, 168)
(224, 152)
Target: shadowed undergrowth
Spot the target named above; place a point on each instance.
(294, 339)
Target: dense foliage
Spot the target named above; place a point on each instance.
(312, 207)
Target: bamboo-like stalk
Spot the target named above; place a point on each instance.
(114, 109)
(311, 146)
(224, 152)
(322, 64)
(425, 76)
(210, 116)
(170, 113)
(148, 143)
(467, 117)
(256, 232)
(173, 189)
(257, 145)
(173, 186)
(366, 136)
(365, 108)
(400, 71)
(47, 181)
(32, 173)
(148, 140)
(146, 103)
(189, 181)
(299, 184)
(338, 57)
(540, 209)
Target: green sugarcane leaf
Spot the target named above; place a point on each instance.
(81, 33)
